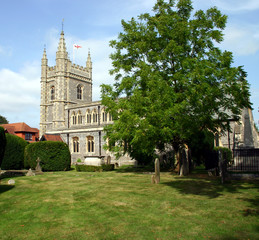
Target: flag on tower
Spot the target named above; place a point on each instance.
(77, 46)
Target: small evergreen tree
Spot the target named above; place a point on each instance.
(2, 144)
(14, 153)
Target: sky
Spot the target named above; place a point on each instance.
(27, 26)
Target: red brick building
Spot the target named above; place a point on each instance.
(22, 130)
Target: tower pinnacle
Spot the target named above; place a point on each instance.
(62, 50)
(89, 62)
(44, 60)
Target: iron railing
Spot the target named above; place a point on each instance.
(245, 160)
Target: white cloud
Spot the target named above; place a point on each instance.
(240, 40)
(20, 94)
(237, 5)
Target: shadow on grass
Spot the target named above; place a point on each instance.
(199, 184)
(138, 169)
(5, 188)
(254, 209)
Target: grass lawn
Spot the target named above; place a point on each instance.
(125, 205)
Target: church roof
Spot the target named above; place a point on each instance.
(13, 128)
(51, 137)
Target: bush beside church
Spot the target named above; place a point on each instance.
(14, 153)
(54, 156)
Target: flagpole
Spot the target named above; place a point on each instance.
(73, 54)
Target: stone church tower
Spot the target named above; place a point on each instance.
(62, 85)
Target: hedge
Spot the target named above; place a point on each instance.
(2, 144)
(54, 156)
(14, 153)
(226, 152)
(90, 168)
(212, 157)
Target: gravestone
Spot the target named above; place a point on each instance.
(30, 173)
(108, 160)
(38, 167)
(11, 182)
(155, 178)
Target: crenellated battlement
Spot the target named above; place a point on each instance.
(75, 66)
(53, 68)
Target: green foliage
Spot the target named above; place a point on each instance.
(3, 120)
(79, 160)
(226, 153)
(2, 144)
(54, 156)
(90, 168)
(14, 153)
(171, 80)
(201, 144)
(107, 167)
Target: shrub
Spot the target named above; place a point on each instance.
(107, 167)
(2, 144)
(14, 153)
(79, 160)
(90, 168)
(54, 156)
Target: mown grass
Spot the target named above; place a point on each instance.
(125, 205)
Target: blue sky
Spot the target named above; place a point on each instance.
(28, 25)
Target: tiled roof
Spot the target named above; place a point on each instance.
(13, 128)
(52, 137)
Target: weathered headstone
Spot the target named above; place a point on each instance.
(222, 168)
(11, 182)
(155, 178)
(38, 167)
(30, 173)
(108, 160)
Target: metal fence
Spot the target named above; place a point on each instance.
(245, 160)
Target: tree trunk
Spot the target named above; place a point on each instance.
(184, 162)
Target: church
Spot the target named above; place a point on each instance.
(68, 112)
(67, 109)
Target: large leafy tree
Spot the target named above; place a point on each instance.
(171, 80)
(3, 120)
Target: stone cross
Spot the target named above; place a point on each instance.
(155, 178)
(38, 167)
(30, 173)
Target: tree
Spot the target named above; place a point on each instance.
(171, 80)
(3, 120)
(14, 153)
(2, 144)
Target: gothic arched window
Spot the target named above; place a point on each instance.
(104, 115)
(79, 92)
(79, 118)
(75, 144)
(88, 117)
(74, 118)
(110, 117)
(52, 93)
(90, 144)
(95, 116)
